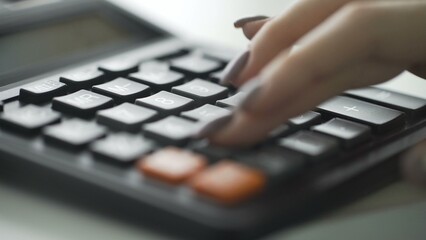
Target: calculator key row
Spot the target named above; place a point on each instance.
(227, 181)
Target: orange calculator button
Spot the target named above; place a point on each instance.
(172, 165)
(228, 182)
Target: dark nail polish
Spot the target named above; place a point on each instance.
(233, 69)
(243, 21)
(213, 126)
(251, 89)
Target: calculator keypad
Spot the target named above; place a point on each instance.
(142, 116)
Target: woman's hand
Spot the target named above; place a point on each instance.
(341, 44)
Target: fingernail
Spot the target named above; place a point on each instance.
(233, 69)
(243, 21)
(251, 89)
(213, 126)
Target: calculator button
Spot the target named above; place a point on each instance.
(83, 78)
(349, 133)
(232, 101)
(172, 165)
(42, 91)
(229, 182)
(29, 119)
(205, 113)
(74, 133)
(120, 66)
(166, 103)
(121, 148)
(305, 120)
(171, 130)
(195, 64)
(277, 163)
(157, 75)
(201, 91)
(314, 145)
(217, 76)
(381, 119)
(122, 90)
(414, 107)
(125, 117)
(82, 103)
(280, 131)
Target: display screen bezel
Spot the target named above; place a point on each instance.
(61, 11)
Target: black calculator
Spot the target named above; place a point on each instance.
(111, 101)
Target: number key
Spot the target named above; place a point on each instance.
(205, 113)
(29, 119)
(171, 130)
(201, 91)
(125, 117)
(166, 103)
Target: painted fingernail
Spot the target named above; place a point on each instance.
(213, 126)
(243, 21)
(233, 69)
(251, 89)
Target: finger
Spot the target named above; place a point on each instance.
(283, 31)
(248, 127)
(344, 40)
(283, 92)
(252, 28)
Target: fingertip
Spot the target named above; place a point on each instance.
(243, 131)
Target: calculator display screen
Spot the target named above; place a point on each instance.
(67, 40)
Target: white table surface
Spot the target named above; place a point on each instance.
(28, 216)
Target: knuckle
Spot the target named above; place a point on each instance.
(364, 19)
(362, 13)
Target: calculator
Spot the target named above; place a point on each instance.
(112, 102)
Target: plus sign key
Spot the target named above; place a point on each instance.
(381, 119)
(82, 103)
